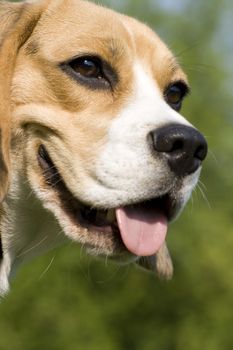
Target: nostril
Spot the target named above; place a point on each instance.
(177, 145)
(201, 152)
(182, 147)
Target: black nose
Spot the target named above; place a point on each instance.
(183, 146)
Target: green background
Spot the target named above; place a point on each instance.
(67, 300)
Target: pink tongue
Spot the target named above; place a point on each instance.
(143, 230)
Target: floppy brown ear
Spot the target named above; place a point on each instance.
(17, 22)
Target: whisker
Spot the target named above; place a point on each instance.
(112, 275)
(193, 69)
(203, 185)
(106, 261)
(187, 49)
(204, 196)
(82, 251)
(198, 67)
(47, 268)
(32, 248)
(214, 157)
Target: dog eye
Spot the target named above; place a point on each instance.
(91, 71)
(87, 67)
(175, 94)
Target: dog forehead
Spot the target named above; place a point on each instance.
(67, 27)
(70, 27)
(156, 58)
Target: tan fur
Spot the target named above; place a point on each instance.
(36, 78)
(16, 26)
(41, 104)
(161, 263)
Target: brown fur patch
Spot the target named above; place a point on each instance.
(17, 24)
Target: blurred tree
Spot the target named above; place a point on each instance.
(84, 304)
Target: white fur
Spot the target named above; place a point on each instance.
(5, 268)
(126, 170)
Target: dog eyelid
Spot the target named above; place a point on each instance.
(175, 93)
(91, 71)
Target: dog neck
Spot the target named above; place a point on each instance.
(26, 229)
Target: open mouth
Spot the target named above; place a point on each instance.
(142, 227)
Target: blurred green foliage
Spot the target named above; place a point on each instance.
(67, 300)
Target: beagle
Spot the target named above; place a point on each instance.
(92, 142)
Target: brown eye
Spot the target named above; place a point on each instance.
(87, 67)
(174, 95)
(91, 71)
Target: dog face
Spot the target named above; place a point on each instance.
(96, 130)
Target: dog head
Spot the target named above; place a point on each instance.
(97, 132)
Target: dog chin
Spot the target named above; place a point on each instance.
(104, 231)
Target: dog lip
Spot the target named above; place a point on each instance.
(50, 172)
(96, 220)
(77, 211)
